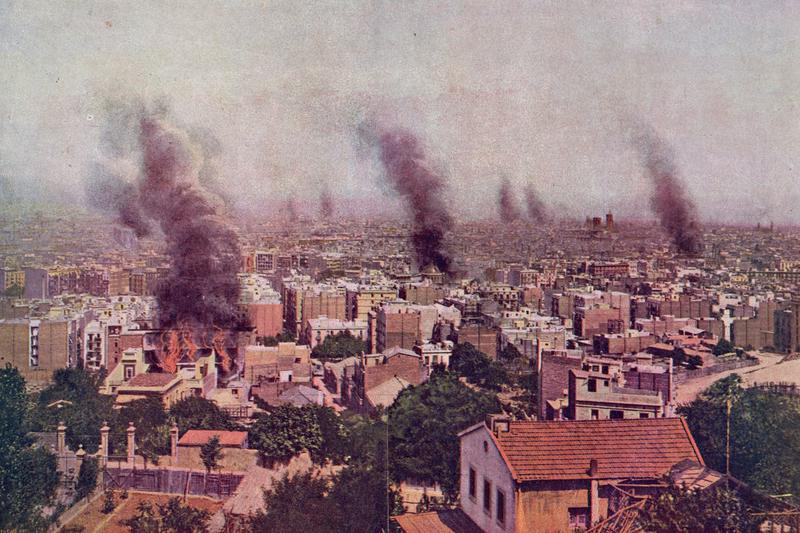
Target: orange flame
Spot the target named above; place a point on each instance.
(185, 341)
(218, 343)
(171, 351)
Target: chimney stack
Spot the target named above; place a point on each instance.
(594, 496)
(498, 423)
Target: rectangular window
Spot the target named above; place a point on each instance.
(487, 496)
(605, 369)
(501, 507)
(617, 415)
(473, 490)
(578, 517)
(592, 384)
(595, 414)
(644, 415)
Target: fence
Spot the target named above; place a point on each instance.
(681, 377)
(173, 481)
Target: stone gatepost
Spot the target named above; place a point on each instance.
(173, 442)
(61, 434)
(131, 444)
(104, 431)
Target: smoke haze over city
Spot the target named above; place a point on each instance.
(537, 95)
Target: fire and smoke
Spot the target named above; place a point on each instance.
(507, 203)
(326, 205)
(537, 211)
(676, 212)
(422, 190)
(198, 298)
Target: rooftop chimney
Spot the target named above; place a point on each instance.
(498, 423)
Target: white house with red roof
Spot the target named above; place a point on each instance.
(560, 476)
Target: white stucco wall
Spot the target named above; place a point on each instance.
(489, 465)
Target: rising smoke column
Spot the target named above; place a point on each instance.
(405, 168)
(676, 212)
(201, 287)
(537, 211)
(506, 203)
(326, 205)
(110, 193)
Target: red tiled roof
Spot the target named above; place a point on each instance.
(453, 521)
(151, 380)
(623, 448)
(198, 437)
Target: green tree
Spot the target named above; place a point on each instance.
(284, 432)
(171, 517)
(339, 346)
(28, 476)
(74, 398)
(152, 428)
(469, 362)
(764, 439)
(510, 353)
(294, 505)
(145, 520)
(87, 478)
(211, 453)
(334, 445)
(423, 425)
(198, 413)
(283, 336)
(715, 510)
(178, 518)
(722, 347)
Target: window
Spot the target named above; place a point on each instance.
(605, 383)
(617, 415)
(578, 517)
(487, 496)
(501, 507)
(605, 369)
(592, 384)
(595, 414)
(473, 490)
(644, 415)
(129, 369)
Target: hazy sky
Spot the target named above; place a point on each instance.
(530, 91)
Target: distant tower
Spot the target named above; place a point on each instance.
(597, 222)
(609, 222)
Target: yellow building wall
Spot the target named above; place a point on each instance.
(546, 508)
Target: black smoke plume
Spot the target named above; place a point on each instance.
(506, 203)
(201, 287)
(326, 206)
(537, 211)
(291, 211)
(675, 210)
(407, 171)
(112, 194)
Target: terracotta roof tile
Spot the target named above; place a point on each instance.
(453, 521)
(623, 448)
(151, 380)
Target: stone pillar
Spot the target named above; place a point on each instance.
(104, 431)
(173, 442)
(61, 433)
(131, 443)
(80, 455)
